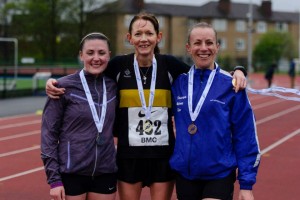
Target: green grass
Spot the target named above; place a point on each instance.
(23, 87)
(24, 83)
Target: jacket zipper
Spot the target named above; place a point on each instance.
(201, 76)
(96, 152)
(189, 160)
(191, 136)
(189, 163)
(69, 156)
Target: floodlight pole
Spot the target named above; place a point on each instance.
(250, 29)
(15, 41)
(299, 38)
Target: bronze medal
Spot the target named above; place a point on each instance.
(192, 129)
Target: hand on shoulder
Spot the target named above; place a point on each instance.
(52, 91)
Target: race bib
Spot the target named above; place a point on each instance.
(148, 132)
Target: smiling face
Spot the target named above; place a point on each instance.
(95, 55)
(203, 47)
(143, 37)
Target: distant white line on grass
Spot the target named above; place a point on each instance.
(20, 135)
(20, 151)
(20, 124)
(21, 174)
(282, 140)
(279, 114)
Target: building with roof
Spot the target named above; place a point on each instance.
(230, 19)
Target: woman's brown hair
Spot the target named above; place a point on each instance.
(148, 17)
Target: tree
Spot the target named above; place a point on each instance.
(51, 30)
(226, 61)
(37, 26)
(273, 46)
(5, 18)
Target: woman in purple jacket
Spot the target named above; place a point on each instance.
(77, 143)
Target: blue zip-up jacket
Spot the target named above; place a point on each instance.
(226, 138)
(68, 134)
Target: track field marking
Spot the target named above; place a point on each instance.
(282, 140)
(279, 114)
(19, 135)
(21, 174)
(17, 116)
(253, 97)
(20, 124)
(20, 151)
(269, 103)
(269, 148)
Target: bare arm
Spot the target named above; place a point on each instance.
(246, 195)
(52, 91)
(58, 193)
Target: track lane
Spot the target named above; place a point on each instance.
(278, 174)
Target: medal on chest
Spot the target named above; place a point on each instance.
(192, 128)
(98, 122)
(100, 139)
(147, 126)
(147, 109)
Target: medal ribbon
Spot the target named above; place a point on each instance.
(195, 114)
(98, 123)
(146, 109)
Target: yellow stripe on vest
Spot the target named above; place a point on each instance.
(131, 98)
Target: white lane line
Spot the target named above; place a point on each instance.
(20, 151)
(253, 97)
(279, 114)
(20, 124)
(21, 174)
(269, 103)
(16, 117)
(19, 135)
(282, 140)
(269, 148)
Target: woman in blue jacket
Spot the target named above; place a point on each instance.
(215, 127)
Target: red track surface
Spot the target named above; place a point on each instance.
(278, 122)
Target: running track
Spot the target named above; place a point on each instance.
(278, 122)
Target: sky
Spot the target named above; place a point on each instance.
(277, 5)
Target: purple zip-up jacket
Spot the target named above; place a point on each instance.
(68, 134)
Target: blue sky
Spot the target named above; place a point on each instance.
(278, 5)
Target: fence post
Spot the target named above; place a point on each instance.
(4, 83)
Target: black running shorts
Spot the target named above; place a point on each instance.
(200, 189)
(77, 184)
(146, 170)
